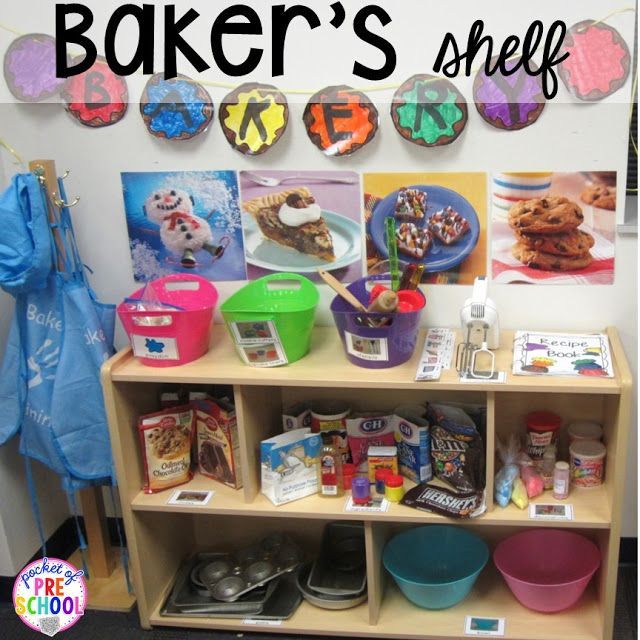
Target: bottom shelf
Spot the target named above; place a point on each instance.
(399, 618)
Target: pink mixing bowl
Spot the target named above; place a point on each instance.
(547, 570)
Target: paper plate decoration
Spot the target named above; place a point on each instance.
(598, 62)
(254, 117)
(30, 68)
(340, 120)
(429, 111)
(175, 109)
(509, 102)
(97, 97)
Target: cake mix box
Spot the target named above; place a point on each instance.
(289, 465)
(414, 447)
(217, 446)
(297, 416)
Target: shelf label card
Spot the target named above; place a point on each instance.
(378, 504)
(268, 623)
(480, 626)
(190, 497)
(550, 511)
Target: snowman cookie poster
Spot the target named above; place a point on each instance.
(184, 222)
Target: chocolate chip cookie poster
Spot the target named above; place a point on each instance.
(440, 221)
(553, 228)
(302, 221)
(184, 222)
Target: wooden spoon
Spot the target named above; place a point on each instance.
(342, 291)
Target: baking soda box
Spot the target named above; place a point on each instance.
(414, 447)
(289, 465)
(217, 446)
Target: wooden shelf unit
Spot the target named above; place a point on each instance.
(160, 536)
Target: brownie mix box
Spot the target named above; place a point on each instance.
(217, 446)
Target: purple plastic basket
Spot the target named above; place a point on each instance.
(374, 347)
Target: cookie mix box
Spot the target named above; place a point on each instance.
(289, 465)
(414, 447)
(166, 439)
(217, 445)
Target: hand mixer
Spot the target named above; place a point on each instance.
(479, 319)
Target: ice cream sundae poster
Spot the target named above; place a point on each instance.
(562, 354)
(302, 221)
(184, 222)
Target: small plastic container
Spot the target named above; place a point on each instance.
(548, 465)
(360, 490)
(561, 478)
(348, 473)
(542, 431)
(176, 333)
(587, 463)
(380, 346)
(287, 300)
(584, 431)
(381, 476)
(394, 488)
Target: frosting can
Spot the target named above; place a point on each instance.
(584, 431)
(542, 431)
(587, 463)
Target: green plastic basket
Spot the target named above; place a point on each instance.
(288, 300)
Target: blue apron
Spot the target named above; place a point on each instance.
(50, 388)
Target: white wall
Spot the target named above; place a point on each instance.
(567, 137)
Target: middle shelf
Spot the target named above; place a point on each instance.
(590, 508)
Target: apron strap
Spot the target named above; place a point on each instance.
(82, 543)
(35, 508)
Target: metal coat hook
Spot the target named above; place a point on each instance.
(65, 174)
(61, 203)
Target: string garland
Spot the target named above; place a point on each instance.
(365, 89)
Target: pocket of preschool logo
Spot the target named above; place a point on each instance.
(49, 595)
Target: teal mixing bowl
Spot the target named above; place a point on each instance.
(435, 566)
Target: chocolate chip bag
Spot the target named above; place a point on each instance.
(457, 450)
(428, 497)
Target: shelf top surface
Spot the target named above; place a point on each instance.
(590, 508)
(327, 366)
(399, 618)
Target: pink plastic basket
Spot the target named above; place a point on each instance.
(175, 335)
(547, 570)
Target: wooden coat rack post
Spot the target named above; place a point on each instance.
(102, 559)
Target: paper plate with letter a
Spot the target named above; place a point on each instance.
(96, 97)
(254, 117)
(340, 120)
(429, 111)
(175, 108)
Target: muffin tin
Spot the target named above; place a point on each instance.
(229, 576)
(193, 598)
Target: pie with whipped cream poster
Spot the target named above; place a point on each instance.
(302, 221)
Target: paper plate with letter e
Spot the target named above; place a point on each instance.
(261, 251)
(408, 206)
(340, 120)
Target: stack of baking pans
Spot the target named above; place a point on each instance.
(338, 577)
(254, 582)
